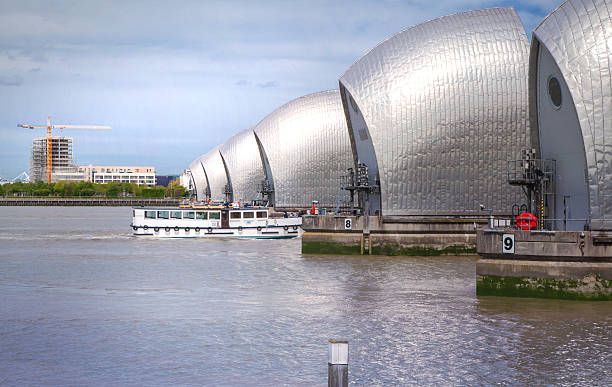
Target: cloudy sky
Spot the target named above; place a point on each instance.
(175, 79)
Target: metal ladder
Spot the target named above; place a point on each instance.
(366, 243)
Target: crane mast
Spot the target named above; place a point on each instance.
(49, 128)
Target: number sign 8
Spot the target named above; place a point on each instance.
(348, 224)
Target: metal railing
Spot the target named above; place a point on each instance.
(546, 224)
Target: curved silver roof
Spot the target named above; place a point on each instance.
(578, 35)
(442, 105)
(307, 146)
(198, 178)
(244, 165)
(216, 174)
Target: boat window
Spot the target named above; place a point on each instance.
(248, 215)
(150, 214)
(214, 215)
(188, 215)
(262, 214)
(163, 214)
(176, 214)
(235, 215)
(201, 215)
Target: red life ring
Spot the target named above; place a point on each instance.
(526, 221)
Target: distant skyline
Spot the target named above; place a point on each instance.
(175, 79)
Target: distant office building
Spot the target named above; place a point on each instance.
(165, 180)
(123, 174)
(63, 166)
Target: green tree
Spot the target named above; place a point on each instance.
(58, 188)
(69, 189)
(100, 189)
(175, 190)
(18, 189)
(137, 189)
(153, 192)
(41, 192)
(126, 189)
(113, 189)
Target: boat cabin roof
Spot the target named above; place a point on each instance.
(202, 208)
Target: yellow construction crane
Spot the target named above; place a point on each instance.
(50, 127)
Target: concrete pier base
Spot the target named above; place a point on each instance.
(561, 264)
(375, 235)
(544, 279)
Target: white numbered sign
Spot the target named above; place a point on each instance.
(508, 244)
(348, 224)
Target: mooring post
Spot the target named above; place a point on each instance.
(337, 365)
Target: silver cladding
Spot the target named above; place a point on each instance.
(215, 174)
(578, 34)
(446, 105)
(308, 149)
(244, 165)
(199, 178)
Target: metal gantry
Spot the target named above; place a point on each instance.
(358, 183)
(536, 177)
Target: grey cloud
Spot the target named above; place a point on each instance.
(34, 55)
(265, 85)
(11, 80)
(184, 57)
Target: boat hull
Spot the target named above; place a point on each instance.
(275, 232)
(213, 222)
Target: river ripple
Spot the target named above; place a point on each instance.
(85, 303)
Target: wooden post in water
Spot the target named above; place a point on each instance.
(337, 364)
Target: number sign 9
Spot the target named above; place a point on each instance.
(508, 244)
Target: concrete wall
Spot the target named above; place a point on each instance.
(544, 279)
(388, 236)
(562, 264)
(548, 245)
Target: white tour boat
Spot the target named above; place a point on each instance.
(213, 221)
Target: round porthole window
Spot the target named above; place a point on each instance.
(554, 91)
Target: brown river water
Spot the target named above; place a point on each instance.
(83, 302)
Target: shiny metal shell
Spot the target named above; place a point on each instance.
(446, 105)
(216, 175)
(198, 177)
(244, 165)
(307, 146)
(578, 35)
